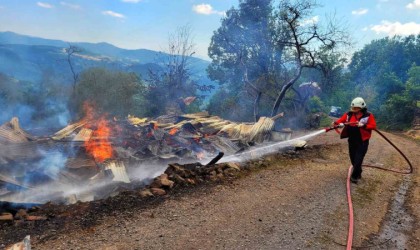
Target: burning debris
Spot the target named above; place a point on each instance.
(96, 157)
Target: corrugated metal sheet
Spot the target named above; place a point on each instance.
(83, 135)
(67, 131)
(11, 132)
(118, 170)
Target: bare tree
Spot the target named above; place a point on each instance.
(173, 81)
(305, 41)
(180, 50)
(70, 51)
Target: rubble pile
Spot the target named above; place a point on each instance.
(98, 156)
(188, 174)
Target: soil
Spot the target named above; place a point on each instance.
(294, 200)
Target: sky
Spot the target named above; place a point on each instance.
(135, 24)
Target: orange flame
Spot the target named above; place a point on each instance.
(173, 131)
(99, 145)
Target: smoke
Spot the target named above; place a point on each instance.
(56, 191)
(44, 170)
(57, 116)
(60, 113)
(52, 163)
(145, 171)
(36, 105)
(23, 112)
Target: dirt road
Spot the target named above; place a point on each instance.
(288, 201)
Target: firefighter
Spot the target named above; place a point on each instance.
(357, 126)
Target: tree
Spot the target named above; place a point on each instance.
(242, 51)
(265, 49)
(228, 105)
(305, 44)
(398, 110)
(384, 73)
(70, 51)
(112, 92)
(172, 82)
(392, 54)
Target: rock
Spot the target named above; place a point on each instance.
(162, 181)
(233, 165)
(4, 217)
(156, 184)
(145, 193)
(175, 169)
(190, 181)
(35, 218)
(158, 191)
(168, 183)
(230, 171)
(177, 178)
(300, 144)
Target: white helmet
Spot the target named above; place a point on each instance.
(358, 102)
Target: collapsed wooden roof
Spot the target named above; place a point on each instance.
(169, 138)
(11, 132)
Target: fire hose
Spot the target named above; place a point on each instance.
(349, 201)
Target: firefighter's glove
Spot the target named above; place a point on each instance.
(341, 125)
(360, 124)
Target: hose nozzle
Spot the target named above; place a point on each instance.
(331, 128)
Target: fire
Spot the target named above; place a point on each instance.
(99, 145)
(173, 131)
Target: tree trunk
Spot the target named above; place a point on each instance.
(283, 92)
(256, 106)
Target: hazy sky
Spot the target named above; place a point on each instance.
(135, 24)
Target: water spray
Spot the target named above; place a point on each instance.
(271, 148)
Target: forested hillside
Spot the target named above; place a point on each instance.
(265, 59)
(38, 78)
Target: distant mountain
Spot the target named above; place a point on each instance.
(104, 49)
(32, 58)
(14, 38)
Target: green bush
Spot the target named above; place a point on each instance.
(316, 105)
(112, 92)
